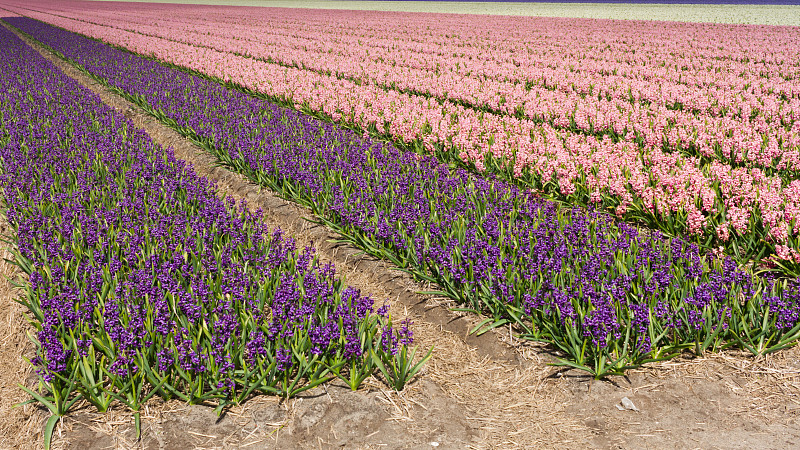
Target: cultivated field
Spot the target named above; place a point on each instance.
(595, 195)
(736, 14)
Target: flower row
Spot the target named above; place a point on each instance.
(745, 209)
(770, 141)
(607, 295)
(143, 282)
(712, 74)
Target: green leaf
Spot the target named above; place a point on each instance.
(494, 325)
(48, 430)
(50, 406)
(137, 423)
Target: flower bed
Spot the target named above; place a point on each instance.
(698, 139)
(142, 282)
(607, 295)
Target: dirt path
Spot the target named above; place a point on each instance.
(18, 425)
(487, 392)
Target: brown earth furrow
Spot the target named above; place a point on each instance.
(19, 425)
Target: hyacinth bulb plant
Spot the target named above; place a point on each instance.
(607, 295)
(141, 282)
(708, 154)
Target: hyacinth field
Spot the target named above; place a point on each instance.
(623, 192)
(142, 282)
(697, 138)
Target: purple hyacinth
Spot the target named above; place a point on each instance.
(133, 258)
(487, 242)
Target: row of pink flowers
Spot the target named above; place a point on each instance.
(691, 75)
(714, 196)
(770, 139)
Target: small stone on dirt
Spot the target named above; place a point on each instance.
(627, 404)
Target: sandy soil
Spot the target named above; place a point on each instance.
(19, 425)
(737, 14)
(491, 392)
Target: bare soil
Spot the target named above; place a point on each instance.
(19, 425)
(488, 392)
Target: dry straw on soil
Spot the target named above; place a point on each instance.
(19, 425)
